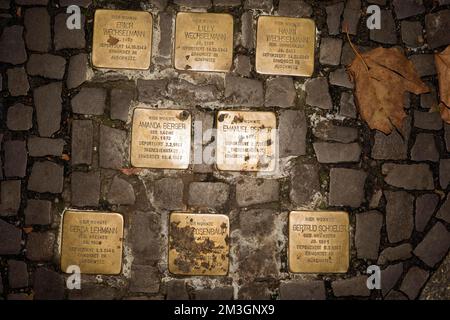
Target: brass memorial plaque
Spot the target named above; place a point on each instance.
(161, 139)
(204, 41)
(318, 242)
(285, 46)
(198, 244)
(92, 241)
(122, 39)
(246, 141)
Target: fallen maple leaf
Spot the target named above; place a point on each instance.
(442, 61)
(382, 77)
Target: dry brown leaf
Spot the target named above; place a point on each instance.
(445, 112)
(382, 77)
(442, 61)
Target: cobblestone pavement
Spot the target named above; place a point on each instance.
(65, 131)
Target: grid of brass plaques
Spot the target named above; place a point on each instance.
(285, 46)
(198, 244)
(204, 41)
(318, 242)
(122, 39)
(246, 141)
(161, 139)
(92, 241)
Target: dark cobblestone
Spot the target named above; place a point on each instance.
(145, 238)
(82, 141)
(120, 103)
(208, 194)
(425, 207)
(399, 215)
(15, 158)
(304, 183)
(302, 290)
(280, 92)
(48, 104)
(65, 38)
(77, 70)
(38, 212)
(444, 210)
(46, 176)
(337, 152)
(112, 147)
(346, 187)
(168, 194)
(18, 82)
(38, 35)
(434, 246)
(409, 177)
(392, 254)
(355, 286)
(48, 285)
(47, 66)
(17, 274)
(121, 192)
(10, 195)
(12, 46)
(424, 148)
(20, 117)
(414, 280)
(40, 246)
(292, 133)
(151, 91)
(144, 279)
(40, 147)
(367, 236)
(318, 94)
(176, 290)
(389, 277)
(85, 188)
(10, 239)
(89, 101)
(256, 191)
(243, 92)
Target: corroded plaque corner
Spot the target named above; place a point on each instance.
(319, 242)
(199, 244)
(122, 39)
(285, 46)
(92, 241)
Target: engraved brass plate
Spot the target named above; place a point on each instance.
(161, 139)
(246, 141)
(122, 39)
(204, 41)
(92, 241)
(198, 244)
(318, 242)
(285, 46)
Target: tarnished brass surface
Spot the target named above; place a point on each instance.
(92, 241)
(246, 141)
(198, 244)
(204, 42)
(161, 139)
(122, 39)
(285, 46)
(318, 242)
